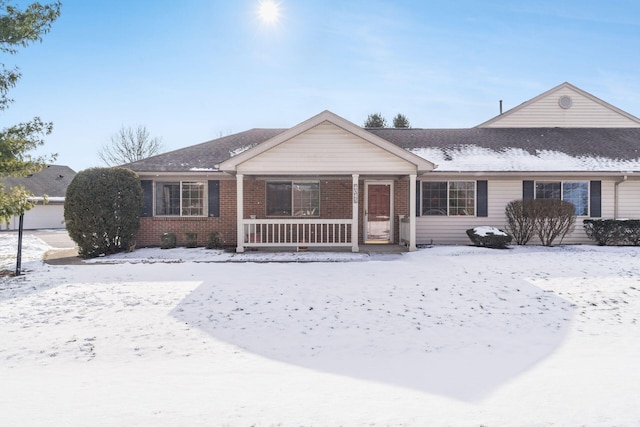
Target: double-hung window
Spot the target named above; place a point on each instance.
(293, 198)
(575, 192)
(453, 198)
(180, 198)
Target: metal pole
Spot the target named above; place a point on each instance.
(19, 257)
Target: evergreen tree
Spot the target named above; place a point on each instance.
(102, 210)
(19, 28)
(401, 121)
(375, 120)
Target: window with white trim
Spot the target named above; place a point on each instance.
(575, 192)
(293, 198)
(452, 198)
(180, 198)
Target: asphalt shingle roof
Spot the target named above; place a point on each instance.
(622, 144)
(51, 181)
(613, 143)
(203, 156)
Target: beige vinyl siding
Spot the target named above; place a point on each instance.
(448, 230)
(628, 200)
(326, 149)
(451, 230)
(545, 112)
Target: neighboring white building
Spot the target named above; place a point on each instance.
(51, 184)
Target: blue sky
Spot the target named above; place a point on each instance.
(194, 70)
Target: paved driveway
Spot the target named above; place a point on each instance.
(58, 238)
(64, 250)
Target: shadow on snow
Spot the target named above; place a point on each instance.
(462, 339)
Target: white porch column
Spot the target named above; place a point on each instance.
(355, 227)
(412, 212)
(240, 212)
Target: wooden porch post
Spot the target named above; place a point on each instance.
(412, 212)
(240, 212)
(355, 227)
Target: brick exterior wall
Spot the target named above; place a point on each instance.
(335, 203)
(152, 228)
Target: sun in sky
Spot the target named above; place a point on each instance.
(268, 11)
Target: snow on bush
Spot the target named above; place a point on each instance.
(489, 237)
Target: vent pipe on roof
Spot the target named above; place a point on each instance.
(501, 106)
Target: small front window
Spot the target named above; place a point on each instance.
(180, 198)
(575, 192)
(293, 198)
(453, 198)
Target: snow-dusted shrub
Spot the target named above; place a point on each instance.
(603, 231)
(613, 231)
(489, 237)
(168, 241)
(102, 210)
(520, 221)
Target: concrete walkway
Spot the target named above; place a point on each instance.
(64, 250)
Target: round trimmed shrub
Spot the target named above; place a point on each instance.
(102, 210)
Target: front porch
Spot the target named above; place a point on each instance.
(325, 183)
(345, 213)
(302, 234)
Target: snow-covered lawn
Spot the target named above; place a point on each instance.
(456, 336)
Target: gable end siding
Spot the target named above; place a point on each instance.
(326, 149)
(584, 112)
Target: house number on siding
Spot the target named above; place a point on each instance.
(355, 194)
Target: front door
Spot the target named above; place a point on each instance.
(377, 215)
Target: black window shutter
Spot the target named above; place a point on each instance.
(418, 197)
(595, 199)
(527, 190)
(214, 198)
(147, 197)
(482, 198)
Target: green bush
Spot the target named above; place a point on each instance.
(102, 210)
(167, 241)
(191, 240)
(214, 240)
(607, 232)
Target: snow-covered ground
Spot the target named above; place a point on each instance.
(456, 336)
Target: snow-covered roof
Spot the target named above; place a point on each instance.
(464, 150)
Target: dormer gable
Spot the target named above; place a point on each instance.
(564, 106)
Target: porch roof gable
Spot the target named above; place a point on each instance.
(412, 162)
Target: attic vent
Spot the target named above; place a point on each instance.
(565, 102)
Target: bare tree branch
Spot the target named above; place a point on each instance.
(130, 145)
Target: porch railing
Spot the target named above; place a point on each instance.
(405, 230)
(297, 232)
